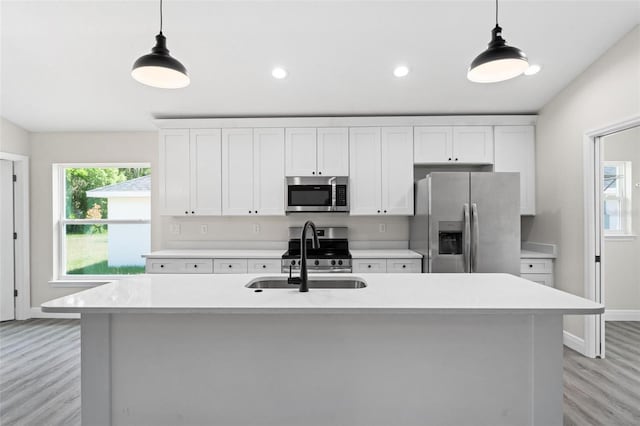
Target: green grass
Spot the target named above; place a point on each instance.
(87, 254)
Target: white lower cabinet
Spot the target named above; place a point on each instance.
(257, 266)
(179, 266)
(229, 266)
(537, 270)
(390, 266)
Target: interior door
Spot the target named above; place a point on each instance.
(7, 260)
(448, 194)
(495, 222)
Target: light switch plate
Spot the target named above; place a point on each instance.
(382, 227)
(174, 228)
(204, 229)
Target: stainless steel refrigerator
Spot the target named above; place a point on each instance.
(467, 222)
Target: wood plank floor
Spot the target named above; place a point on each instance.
(40, 376)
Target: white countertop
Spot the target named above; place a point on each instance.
(216, 254)
(530, 254)
(385, 254)
(385, 293)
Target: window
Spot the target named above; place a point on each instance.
(616, 189)
(103, 215)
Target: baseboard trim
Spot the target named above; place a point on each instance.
(37, 313)
(574, 342)
(622, 315)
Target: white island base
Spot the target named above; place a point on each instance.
(307, 369)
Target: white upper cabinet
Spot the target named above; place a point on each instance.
(397, 170)
(317, 152)
(190, 178)
(333, 151)
(433, 144)
(381, 170)
(300, 147)
(365, 177)
(453, 144)
(253, 172)
(515, 152)
(268, 168)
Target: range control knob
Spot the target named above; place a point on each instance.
(293, 262)
(333, 262)
(339, 262)
(317, 262)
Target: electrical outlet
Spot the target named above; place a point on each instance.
(204, 229)
(382, 227)
(174, 228)
(256, 228)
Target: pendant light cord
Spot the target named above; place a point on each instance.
(161, 16)
(496, 11)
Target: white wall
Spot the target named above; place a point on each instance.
(607, 92)
(50, 148)
(622, 257)
(13, 139)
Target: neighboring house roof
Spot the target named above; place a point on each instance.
(138, 187)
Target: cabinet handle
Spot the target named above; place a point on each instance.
(230, 266)
(456, 159)
(162, 266)
(256, 211)
(369, 266)
(530, 266)
(264, 266)
(186, 212)
(404, 266)
(449, 158)
(192, 212)
(313, 173)
(385, 211)
(195, 266)
(249, 211)
(319, 173)
(378, 211)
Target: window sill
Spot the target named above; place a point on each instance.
(77, 283)
(620, 237)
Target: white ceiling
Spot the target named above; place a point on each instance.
(66, 65)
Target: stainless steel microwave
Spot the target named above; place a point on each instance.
(317, 194)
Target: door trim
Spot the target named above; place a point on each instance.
(594, 287)
(21, 224)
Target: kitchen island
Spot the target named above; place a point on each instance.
(409, 349)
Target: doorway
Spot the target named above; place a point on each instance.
(612, 228)
(7, 247)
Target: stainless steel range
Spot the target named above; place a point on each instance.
(332, 256)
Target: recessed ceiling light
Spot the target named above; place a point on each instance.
(401, 71)
(533, 69)
(279, 73)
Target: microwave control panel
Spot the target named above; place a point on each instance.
(341, 195)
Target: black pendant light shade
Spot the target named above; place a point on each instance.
(499, 62)
(158, 68)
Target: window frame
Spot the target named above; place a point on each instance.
(60, 221)
(623, 187)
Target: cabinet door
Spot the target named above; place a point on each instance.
(268, 172)
(365, 171)
(174, 172)
(515, 152)
(397, 171)
(333, 151)
(301, 152)
(237, 172)
(373, 266)
(473, 144)
(206, 176)
(433, 145)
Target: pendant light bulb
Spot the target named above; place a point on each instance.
(499, 62)
(158, 68)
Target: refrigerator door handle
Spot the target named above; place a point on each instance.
(476, 238)
(467, 238)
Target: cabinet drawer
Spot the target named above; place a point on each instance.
(271, 266)
(536, 266)
(179, 266)
(404, 266)
(229, 266)
(369, 265)
(546, 279)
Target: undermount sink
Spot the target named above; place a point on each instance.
(327, 283)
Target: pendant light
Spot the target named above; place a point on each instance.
(158, 68)
(499, 62)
